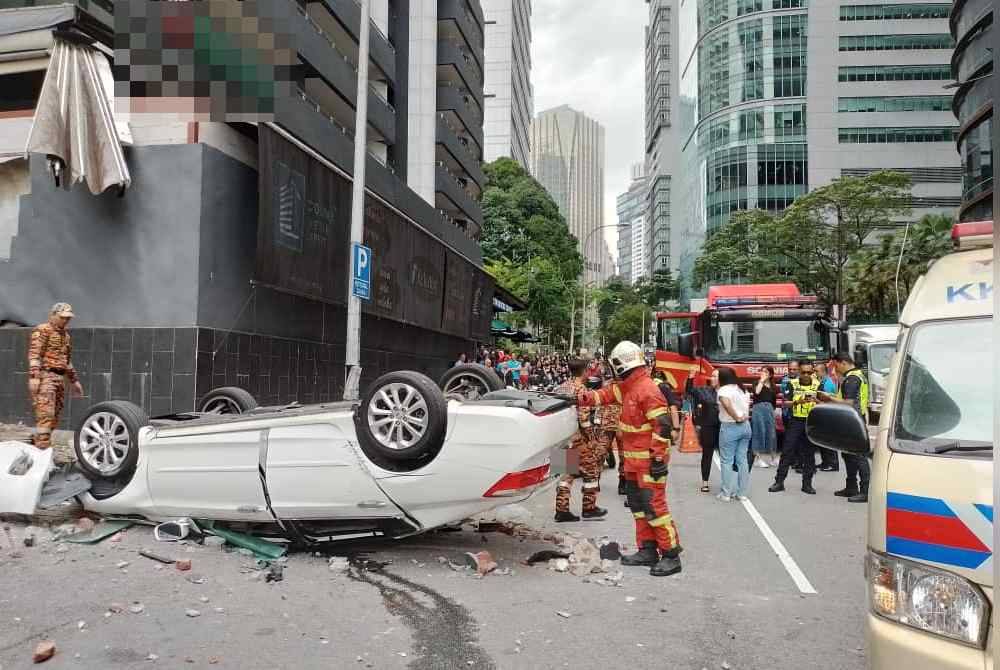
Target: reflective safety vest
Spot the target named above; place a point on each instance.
(862, 394)
(800, 390)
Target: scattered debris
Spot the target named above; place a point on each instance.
(559, 564)
(731, 634)
(725, 666)
(339, 564)
(63, 484)
(136, 608)
(44, 650)
(275, 573)
(195, 579)
(85, 524)
(156, 557)
(116, 608)
(203, 599)
(29, 539)
(152, 657)
(192, 613)
(545, 556)
(564, 615)
(630, 599)
(611, 551)
(261, 548)
(220, 610)
(122, 564)
(214, 541)
(183, 564)
(482, 562)
(100, 531)
(80, 625)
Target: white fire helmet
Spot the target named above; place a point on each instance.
(626, 356)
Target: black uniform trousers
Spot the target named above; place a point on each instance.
(857, 467)
(797, 449)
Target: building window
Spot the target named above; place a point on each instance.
(752, 41)
(909, 103)
(726, 184)
(711, 13)
(896, 42)
(977, 155)
(896, 73)
(749, 6)
(782, 175)
(896, 135)
(788, 4)
(715, 134)
(751, 125)
(909, 10)
(790, 121)
(789, 33)
(713, 74)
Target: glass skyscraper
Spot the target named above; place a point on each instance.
(776, 96)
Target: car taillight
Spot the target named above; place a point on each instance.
(514, 483)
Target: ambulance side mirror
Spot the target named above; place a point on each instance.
(839, 427)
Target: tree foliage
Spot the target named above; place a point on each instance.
(811, 243)
(521, 222)
(659, 289)
(871, 273)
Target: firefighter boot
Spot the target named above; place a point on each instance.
(647, 555)
(596, 513)
(669, 564)
(566, 516)
(621, 486)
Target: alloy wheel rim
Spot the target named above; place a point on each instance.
(398, 416)
(104, 442)
(221, 405)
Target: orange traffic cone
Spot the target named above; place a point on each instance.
(689, 438)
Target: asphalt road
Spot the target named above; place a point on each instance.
(734, 606)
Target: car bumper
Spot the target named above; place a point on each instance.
(892, 645)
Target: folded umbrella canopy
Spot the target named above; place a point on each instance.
(74, 123)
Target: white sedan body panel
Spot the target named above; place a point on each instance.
(315, 469)
(484, 443)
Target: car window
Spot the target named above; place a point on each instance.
(880, 357)
(946, 392)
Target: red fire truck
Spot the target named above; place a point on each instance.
(746, 327)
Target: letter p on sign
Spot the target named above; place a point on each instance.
(361, 272)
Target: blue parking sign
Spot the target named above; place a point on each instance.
(361, 272)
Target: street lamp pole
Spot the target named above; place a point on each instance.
(586, 243)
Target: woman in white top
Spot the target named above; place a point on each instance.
(734, 435)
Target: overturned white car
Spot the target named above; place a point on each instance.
(406, 459)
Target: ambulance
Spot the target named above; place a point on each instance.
(929, 562)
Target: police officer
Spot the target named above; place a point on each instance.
(646, 432)
(798, 448)
(49, 363)
(854, 392)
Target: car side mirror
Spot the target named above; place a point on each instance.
(839, 427)
(861, 357)
(685, 344)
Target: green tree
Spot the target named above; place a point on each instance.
(871, 273)
(662, 287)
(812, 242)
(522, 223)
(629, 322)
(548, 296)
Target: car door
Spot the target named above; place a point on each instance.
(209, 472)
(313, 472)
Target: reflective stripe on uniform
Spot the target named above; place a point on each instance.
(564, 485)
(657, 411)
(639, 515)
(661, 521)
(636, 454)
(650, 479)
(591, 485)
(618, 393)
(644, 428)
(596, 397)
(659, 438)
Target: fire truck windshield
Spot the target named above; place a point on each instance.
(764, 341)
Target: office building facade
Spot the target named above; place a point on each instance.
(781, 96)
(510, 102)
(973, 67)
(662, 149)
(224, 262)
(633, 247)
(567, 158)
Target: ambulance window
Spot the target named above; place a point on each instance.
(946, 393)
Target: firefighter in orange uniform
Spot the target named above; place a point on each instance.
(646, 431)
(49, 363)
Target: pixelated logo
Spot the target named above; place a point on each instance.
(205, 60)
(289, 207)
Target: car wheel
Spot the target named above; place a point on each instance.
(469, 382)
(227, 400)
(106, 440)
(402, 417)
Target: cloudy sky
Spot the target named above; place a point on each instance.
(588, 54)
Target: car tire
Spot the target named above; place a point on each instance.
(227, 400)
(402, 419)
(106, 440)
(469, 382)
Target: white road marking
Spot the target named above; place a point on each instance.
(791, 567)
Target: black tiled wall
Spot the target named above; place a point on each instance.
(164, 370)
